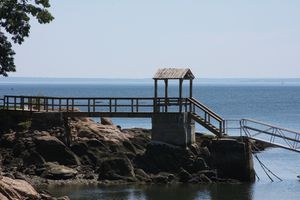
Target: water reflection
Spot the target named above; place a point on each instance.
(231, 191)
(173, 192)
(157, 192)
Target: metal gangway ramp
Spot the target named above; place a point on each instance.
(267, 133)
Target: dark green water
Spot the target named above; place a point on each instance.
(267, 190)
(159, 192)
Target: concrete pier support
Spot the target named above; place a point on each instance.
(232, 157)
(173, 128)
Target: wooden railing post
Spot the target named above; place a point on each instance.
(46, 103)
(15, 103)
(94, 105)
(22, 103)
(72, 105)
(109, 105)
(67, 104)
(59, 104)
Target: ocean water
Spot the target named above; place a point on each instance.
(276, 101)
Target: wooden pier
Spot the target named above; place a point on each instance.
(117, 107)
(173, 118)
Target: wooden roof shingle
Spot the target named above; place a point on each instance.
(174, 73)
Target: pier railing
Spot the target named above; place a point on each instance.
(1, 104)
(87, 104)
(117, 107)
(265, 132)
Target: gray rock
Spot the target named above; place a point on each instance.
(53, 150)
(184, 176)
(58, 172)
(163, 178)
(106, 121)
(204, 179)
(116, 168)
(141, 173)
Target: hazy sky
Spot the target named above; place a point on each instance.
(132, 38)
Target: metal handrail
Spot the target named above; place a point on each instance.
(269, 133)
(268, 124)
(227, 127)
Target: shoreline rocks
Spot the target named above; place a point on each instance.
(100, 153)
(14, 189)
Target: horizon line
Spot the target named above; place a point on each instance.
(146, 78)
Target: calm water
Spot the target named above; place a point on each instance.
(274, 101)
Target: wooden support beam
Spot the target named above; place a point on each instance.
(180, 94)
(155, 109)
(191, 88)
(166, 95)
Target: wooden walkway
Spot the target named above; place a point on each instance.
(147, 107)
(117, 107)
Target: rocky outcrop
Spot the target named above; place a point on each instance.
(11, 189)
(168, 158)
(16, 189)
(100, 153)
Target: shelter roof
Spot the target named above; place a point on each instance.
(174, 73)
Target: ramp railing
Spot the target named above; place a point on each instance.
(268, 133)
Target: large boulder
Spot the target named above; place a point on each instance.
(106, 121)
(162, 178)
(13, 189)
(116, 168)
(183, 175)
(141, 175)
(53, 150)
(58, 172)
(160, 157)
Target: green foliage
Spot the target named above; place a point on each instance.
(24, 125)
(14, 20)
(38, 103)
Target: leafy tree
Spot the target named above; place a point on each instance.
(15, 16)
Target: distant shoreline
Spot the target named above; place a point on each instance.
(149, 81)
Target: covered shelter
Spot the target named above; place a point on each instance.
(167, 74)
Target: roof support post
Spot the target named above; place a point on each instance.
(180, 95)
(155, 106)
(191, 94)
(166, 95)
(191, 88)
